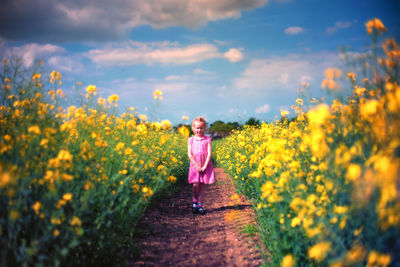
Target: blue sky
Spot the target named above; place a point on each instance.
(226, 60)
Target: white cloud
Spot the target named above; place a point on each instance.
(263, 109)
(234, 55)
(31, 52)
(270, 76)
(171, 87)
(164, 53)
(219, 42)
(100, 20)
(173, 78)
(192, 13)
(67, 63)
(284, 78)
(237, 111)
(294, 30)
(338, 25)
(199, 71)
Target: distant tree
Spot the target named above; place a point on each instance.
(220, 128)
(234, 125)
(253, 122)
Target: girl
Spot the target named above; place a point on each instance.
(201, 170)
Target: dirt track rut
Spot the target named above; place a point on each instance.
(176, 237)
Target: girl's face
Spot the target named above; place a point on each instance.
(198, 128)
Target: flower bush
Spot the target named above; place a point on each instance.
(75, 181)
(326, 186)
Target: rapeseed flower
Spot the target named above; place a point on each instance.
(288, 261)
(157, 94)
(34, 129)
(375, 25)
(37, 206)
(112, 99)
(319, 251)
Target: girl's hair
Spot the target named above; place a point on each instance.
(199, 119)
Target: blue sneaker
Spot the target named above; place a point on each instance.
(201, 211)
(194, 208)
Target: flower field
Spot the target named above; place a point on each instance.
(74, 181)
(326, 185)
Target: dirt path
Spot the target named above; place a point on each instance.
(176, 237)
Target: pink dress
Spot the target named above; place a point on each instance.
(199, 152)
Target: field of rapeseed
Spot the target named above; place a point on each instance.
(74, 181)
(326, 186)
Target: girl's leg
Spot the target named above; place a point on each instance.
(202, 188)
(196, 189)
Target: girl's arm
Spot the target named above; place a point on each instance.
(208, 158)
(191, 158)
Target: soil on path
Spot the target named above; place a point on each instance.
(176, 237)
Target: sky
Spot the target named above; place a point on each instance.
(225, 60)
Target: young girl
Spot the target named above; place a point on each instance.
(201, 171)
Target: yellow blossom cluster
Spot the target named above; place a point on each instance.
(68, 173)
(326, 183)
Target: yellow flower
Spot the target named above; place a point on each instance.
(340, 209)
(34, 129)
(67, 177)
(166, 125)
(37, 206)
(54, 76)
(375, 24)
(128, 151)
(351, 75)
(119, 146)
(67, 196)
(14, 215)
(284, 113)
(356, 254)
(332, 73)
(147, 191)
(157, 94)
(56, 232)
(288, 261)
(36, 76)
(4, 178)
(299, 101)
(378, 259)
(64, 155)
(295, 222)
(171, 179)
(91, 89)
(359, 90)
(369, 108)
(135, 188)
(184, 131)
(113, 98)
(343, 223)
(319, 251)
(123, 172)
(75, 221)
(353, 172)
(143, 117)
(319, 114)
(101, 101)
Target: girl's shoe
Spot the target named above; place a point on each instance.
(201, 211)
(195, 208)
